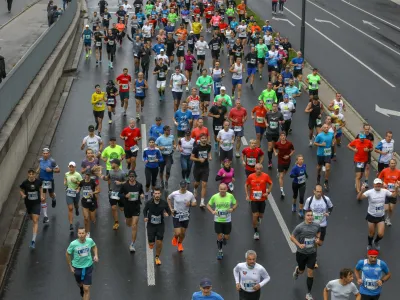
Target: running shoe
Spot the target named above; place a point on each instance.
(180, 247)
(256, 236)
(158, 261)
(46, 220)
(71, 227)
(295, 274)
(53, 202)
(116, 226)
(174, 241)
(309, 296)
(32, 245)
(294, 208)
(220, 255)
(132, 248)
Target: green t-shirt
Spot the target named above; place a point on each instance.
(268, 97)
(172, 18)
(112, 153)
(81, 253)
(313, 81)
(230, 12)
(148, 8)
(226, 100)
(262, 50)
(205, 84)
(222, 205)
(76, 177)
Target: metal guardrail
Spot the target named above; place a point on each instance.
(21, 76)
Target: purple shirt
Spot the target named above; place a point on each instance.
(189, 62)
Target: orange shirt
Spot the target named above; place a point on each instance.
(196, 132)
(258, 186)
(120, 27)
(260, 116)
(390, 177)
(255, 28)
(182, 34)
(241, 8)
(361, 156)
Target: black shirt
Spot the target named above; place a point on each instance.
(86, 188)
(281, 86)
(97, 36)
(32, 190)
(137, 4)
(145, 55)
(286, 46)
(221, 111)
(215, 44)
(103, 3)
(180, 45)
(162, 76)
(191, 39)
(170, 43)
(155, 212)
(111, 91)
(369, 136)
(273, 119)
(111, 41)
(316, 111)
(136, 191)
(238, 49)
(200, 151)
(251, 59)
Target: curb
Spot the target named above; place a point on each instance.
(20, 13)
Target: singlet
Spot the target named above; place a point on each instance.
(238, 71)
(314, 114)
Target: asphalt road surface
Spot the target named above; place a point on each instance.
(44, 274)
(17, 7)
(361, 60)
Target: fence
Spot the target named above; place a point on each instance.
(21, 76)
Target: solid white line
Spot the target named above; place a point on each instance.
(151, 279)
(396, 1)
(345, 51)
(244, 141)
(354, 27)
(372, 15)
(282, 223)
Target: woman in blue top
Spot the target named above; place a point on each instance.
(299, 175)
(140, 93)
(152, 157)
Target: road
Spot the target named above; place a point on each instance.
(359, 60)
(43, 273)
(17, 7)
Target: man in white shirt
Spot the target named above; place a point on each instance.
(146, 30)
(201, 46)
(178, 80)
(226, 140)
(343, 288)
(163, 56)
(127, 7)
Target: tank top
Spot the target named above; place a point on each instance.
(217, 74)
(187, 146)
(237, 71)
(340, 104)
(139, 88)
(314, 114)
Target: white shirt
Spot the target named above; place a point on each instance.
(227, 139)
(164, 57)
(146, 29)
(177, 81)
(341, 292)
(286, 110)
(248, 278)
(376, 201)
(179, 201)
(93, 143)
(340, 104)
(242, 30)
(194, 106)
(267, 39)
(187, 146)
(237, 71)
(201, 47)
(319, 208)
(126, 7)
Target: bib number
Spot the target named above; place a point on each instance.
(301, 179)
(184, 216)
(33, 196)
(260, 120)
(114, 195)
(47, 185)
(318, 121)
(218, 128)
(134, 148)
(318, 217)
(237, 128)
(360, 165)
(273, 125)
(370, 284)
(71, 193)
(257, 195)
(110, 101)
(231, 186)
(155, 220)
(125, 86)
(133, 196)
(310, 243)
(251, 161)
(98, 44)
(222, 214)
(327, 151)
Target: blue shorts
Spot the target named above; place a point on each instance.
(251, 71)
(338, 134)
(88, 43)
(260, 130)
(177, 95)
(236, 81)
(196, 117)
(72, 200)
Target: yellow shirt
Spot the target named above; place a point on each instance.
(98, 101)
(196, 27)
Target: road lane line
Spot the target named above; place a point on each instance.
(282, 223)
(372, 15)
(345, 51)
(354, 27)
(151, 279)
(244, 141)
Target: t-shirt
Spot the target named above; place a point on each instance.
(93, 142)
(327, 138)
(260, 112)
(135, 191)
(361, 156)
(131, 134)
(205, 84)
(112, 153)
(177, 81)
(370, 275)
(227, 139)
(226, 100)
(213, 296)
(283, 150)
(194, 105)
(162, 76)
(179, 203)
(222, 205)
(298, 62)
(339, 291)
(306, 234)
(183, 118)
(98, 102)
(258, 186)
(313, 81)
(268, 97)
(116, 175)
(87, 188)
(197, 132)
(252, 157)
(319, 207)
(273, 119)
(32, 190)
(167, 142)
(196, 27)
(124, 81)
(81, 252)
(200, 151)
(237, 116)
(390, 177)
(187, 146)
(73, 180)
(47, 163)
(261, 49)
(218, 122)
(376, 201)
(286, 110)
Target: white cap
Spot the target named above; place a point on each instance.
(72, 163)
(223, 88)
(87, 25)
(377, 181)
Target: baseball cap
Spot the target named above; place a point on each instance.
(182, 184)
(91, 128)
(158, 118)
(286, 96)
(46, 150)
(87, 25)
(205, 282)
(116, 161)
(72, 163)
(161, 50)
(132, 173)
(191, 31)
(377, 181)
(187, 132)
(336, 107)
(223, 88)
(361, 136)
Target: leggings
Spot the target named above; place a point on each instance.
(281, 3)
(274, 4)
(145, 70)
(151, 176)
(186, 165)
(299, 188)
(168, 161)
(111, 51)
(286, 126)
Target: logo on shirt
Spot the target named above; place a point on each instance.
(244, 272)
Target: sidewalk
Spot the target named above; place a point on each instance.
(22, 32)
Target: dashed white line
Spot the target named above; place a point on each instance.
(244, 141)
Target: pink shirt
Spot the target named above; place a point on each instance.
(228, 175)
(215, 20)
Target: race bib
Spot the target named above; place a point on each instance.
(249, 284)
(183, 216)
(86, 193)
(99, 104)
(47, 185)
(370, 284)
(152, 158)
(223, 214)
(257, 195)
(167, 149)
(98, 44)
(33, 196)
(379, 208)
(318, 217)
(155, 219)
(133, 196)
(125, 86)
(161, 74)
(218, 84)
(309, 242)
(226, 143)
(301, 179)
(110, 101)
(237, 128)
(114, 195)
(390, 187)
(203, 154)
(111, 43)
(286, 80)
(360, 165)
(269, 101)
(318, 122)
(273, 125)
(280, 90)
(251, 161)
(181, 48)
(217, 128)
(83, 251)
(134, 148)
(71, 193)
(231, 186)
(253, 61)
(87, 36)
(314, 85)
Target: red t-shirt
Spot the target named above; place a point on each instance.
(223, 26)
(390, 177)
(361, 156)
(209, 12)
(283, 150)
(196, 132)
(258, 186)
(124, 81)
(252, 157)
(131, 134)
(237, 114)
(260, 112)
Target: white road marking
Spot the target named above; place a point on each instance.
(396, 1)
(370, 24)
(244, 141)
(354, 27)
(345, 51)
(326, 21)
(282, 223)
(386, 112)
(151, 279)
(286, 20)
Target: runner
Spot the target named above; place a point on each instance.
(298, 64)
(113, 151)
(87, 36)
(157, 129)
(251, 59)
(161, 70)
(250, 277)
(185, 146)
(98, 102)
(369, 136)
(166, 144)
(324, 142)
(238, 116)
(139, 88)
(110, 39)
(273, 121)
(193, 102)
(200, 130)
(226, 99)
(268, 96)
(315, 109)
(340, 123)
(204, 83)
(215, 45)
(112, 93)
(97, 37)
(132, 193)
(176, 83)
(390, 176)
(217, 74)
(287, 109)
(284, 150)
(306, 237)
(221, 205)
(131, 136)
(258, 115)
(385, 149)
(226, 174)
(71, 183)
(257, 187)
(201, 46)
(189, 61)
(261, 50)
(90, 190)
(179, 203)
(313, 81)
(205, 291)
(342, 288)
(124, 82)
(80, 261)
(152, 158)
(226, 140)
(154, 212)
(237, 69)
(251, 156)
(183, 119)
(218, 113)
(299, 175)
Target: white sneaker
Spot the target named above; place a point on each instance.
(310, 144)
(323, 169)
(202, 203)
(256, 236)
(387, 222)
(309, 296)
(132, 248)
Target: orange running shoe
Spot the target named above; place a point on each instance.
(151, 246)
(174, 241)
(180, 247)
(158, 261)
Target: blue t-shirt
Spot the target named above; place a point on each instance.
(151, 155)
(182, 118)
(140, 16)
(167, 142)
(164, 13)
(87, 35)
(370, 274)
(290, 91)
(156, 131)
(157, 48)
(233, 25)
(298, 63)
(299, 174)
(169, 28)
(267, 28)
(327, 138)
(46, 163)
(286, 76)
(213, 296)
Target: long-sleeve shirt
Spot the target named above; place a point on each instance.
(153, 157)
(248, 278)
(299, 174)
(155, 212)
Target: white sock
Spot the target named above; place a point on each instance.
(202, 200)
(34, 237)
(44, 209)
(281, 188)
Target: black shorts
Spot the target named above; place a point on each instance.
(258, 207)
(367, 297)
(374, 220)
(170, 53)
(313, 92)
(201, 57)
(297, 72)
(177, 95)
(304, 260)
(147, 39)
(129, 154)
(140, 98)
(243, 295)
(87, 279)
(50, 191)
(312, 123)
(225, 154)
(91, 206)
(180, 224)
(382, 166)
(181, 133)
(359, 167)
(391, 200)
(272, 137)
(282, 168)
(120, 202)
(248, 172)
(261, 61)
(180, 53)
(204, 97)
(33, 207)
(323, 160)
(155, 232)
(201, 173)
(132, 209)
(215, 54)
(323, 233)
(272, 68)
(98, 114)
(224, 228)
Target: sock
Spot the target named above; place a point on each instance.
(44, 209)
(34, 237)
(133, 244)
(219, 244)
(269, 155)
(115, 222)
(281, 188)
(202, 200)
(370, 238)
(256, 230)
(377, 239)
(82, 291)
(109, 115)
(310, 281)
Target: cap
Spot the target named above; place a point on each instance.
(243, 21)
(188, 132)
(132, 173)
(377, 181)
(286, 96)
(158, 118)
(46, 150)
(361, 136)
(183, 184)
(72, 163)
(116, 161)
(91, 128)
(87, 25)
(280, 47)
(191, 31)
(161, 50)
(223, 88)
(336, 107)
(113, 138)
(205, 282)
